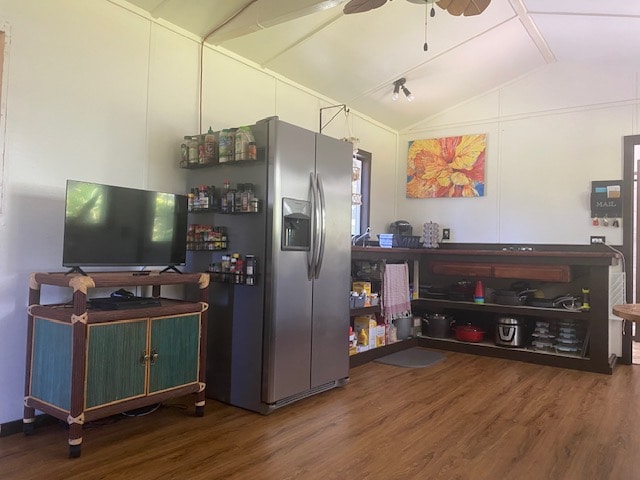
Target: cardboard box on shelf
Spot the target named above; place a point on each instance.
(369, 325)
(380, 336)
(362, 287)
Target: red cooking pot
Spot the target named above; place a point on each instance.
(469, 333)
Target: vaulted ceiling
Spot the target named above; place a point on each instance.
(356, 58)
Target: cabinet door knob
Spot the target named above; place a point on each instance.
(154, 356)
(144, 358)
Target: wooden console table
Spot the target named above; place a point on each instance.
(84, 363)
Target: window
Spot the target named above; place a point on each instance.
(3, 102)
(360, 192)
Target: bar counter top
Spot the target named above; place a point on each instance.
(596, 253)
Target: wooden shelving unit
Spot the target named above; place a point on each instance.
(566, 266)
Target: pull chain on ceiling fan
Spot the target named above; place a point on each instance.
(454, 7)
(425, 47)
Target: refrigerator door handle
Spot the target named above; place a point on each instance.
(322, 225)
(312, 253)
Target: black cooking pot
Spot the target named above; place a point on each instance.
(462, 291)
(511, 297)
(437, 325)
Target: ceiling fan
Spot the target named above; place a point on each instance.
(454, 7)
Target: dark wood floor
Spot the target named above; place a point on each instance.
(468, 417)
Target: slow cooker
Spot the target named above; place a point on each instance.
(511, 332)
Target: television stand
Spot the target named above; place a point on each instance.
(77, 270)
(87, 364)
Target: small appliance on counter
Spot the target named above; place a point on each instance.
(400, 236)
(401, 227)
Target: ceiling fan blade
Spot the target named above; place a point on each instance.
(444, 4)
(464, 7)
(457, 7)
(476, 7)
(360, 6)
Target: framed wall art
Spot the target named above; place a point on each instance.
(446, 167)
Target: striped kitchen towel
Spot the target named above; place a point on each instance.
(395, 291)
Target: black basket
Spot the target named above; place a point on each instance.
(406, 241)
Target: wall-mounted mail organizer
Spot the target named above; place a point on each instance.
(606, 202)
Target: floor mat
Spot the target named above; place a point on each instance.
(412, 358)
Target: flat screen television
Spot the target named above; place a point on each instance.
(106, 225)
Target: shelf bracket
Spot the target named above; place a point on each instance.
(342, 107)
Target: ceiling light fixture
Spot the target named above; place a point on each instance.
(396, 89)
(399, 84)
(407, 94)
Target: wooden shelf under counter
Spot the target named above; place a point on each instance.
(373, 310)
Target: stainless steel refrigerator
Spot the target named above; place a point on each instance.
(286, 337)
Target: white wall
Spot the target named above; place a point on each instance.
(549, 134)
(100, 93)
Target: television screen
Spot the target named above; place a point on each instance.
(116, 226)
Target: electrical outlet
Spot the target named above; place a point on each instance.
(446, 234)
(597, 239)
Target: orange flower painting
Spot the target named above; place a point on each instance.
(446, 167)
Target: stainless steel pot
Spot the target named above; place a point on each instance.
(511, 332)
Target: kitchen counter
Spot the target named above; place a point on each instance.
(565, 252)
(566, 268)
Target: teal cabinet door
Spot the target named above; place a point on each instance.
(175, 347)
(114, 368)
(51, 362)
